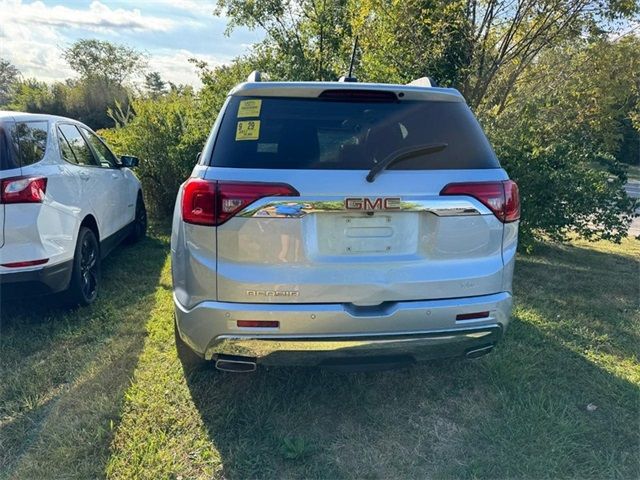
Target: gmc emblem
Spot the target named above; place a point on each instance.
(370, 204)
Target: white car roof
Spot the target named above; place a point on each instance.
(23, 116)
(313, 89)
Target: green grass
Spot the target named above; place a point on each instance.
(100, 391)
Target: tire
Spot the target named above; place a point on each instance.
(140, 221)
(85, 277)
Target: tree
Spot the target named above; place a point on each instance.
(305, 39)
(105, 69)
(480, 47)
(99, 59)
(561, 134)
(405, 40)
(30, 95)
(9, 76)
(154, 84)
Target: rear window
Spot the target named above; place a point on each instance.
(301, 133)
(22, 143)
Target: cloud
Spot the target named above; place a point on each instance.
(97, 16)
(34, 50)
(174, 66)
(192, 6)
(33, 35)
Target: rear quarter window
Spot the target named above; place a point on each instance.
(313, 133)
(22, 143)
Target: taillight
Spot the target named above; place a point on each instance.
(210, 202)
(199, 202)
(501, 198)
(23, 190)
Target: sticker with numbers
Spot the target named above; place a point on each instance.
(249, 108)
(248, 130)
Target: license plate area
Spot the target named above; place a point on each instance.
(368, 234)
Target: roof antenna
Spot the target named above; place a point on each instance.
(350, 78)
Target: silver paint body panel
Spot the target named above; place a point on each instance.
(322, 270)
(210, 328)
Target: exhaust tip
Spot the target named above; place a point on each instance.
(236, 364)
(478, 352)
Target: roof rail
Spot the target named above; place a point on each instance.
(423, 82)
(254, 76)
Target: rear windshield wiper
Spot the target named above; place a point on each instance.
(404, 154)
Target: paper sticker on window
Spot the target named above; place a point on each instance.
(248, 130)
(249, 108)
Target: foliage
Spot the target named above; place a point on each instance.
(508, 36)
(168, 131)
(110, 62)
(30, 95)
(162, 135)
(86, 100)
(9, 76)
(103, 68)
(154, 84)
(306, 39)
(405, 40)
(560, 136)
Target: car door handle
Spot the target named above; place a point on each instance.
(115, 175)
(84, 176)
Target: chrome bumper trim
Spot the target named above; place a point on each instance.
(313, 350)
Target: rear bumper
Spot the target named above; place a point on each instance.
(312, 334)
(49, 279)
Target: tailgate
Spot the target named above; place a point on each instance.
(394, 240)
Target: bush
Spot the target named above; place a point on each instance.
(562, 137)
(166, 138)
(167, 132)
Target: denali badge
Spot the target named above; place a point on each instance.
(273, 293)
(369, 204)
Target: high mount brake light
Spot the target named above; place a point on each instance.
(502, 198)
(211, 202)
(23, 190)
(359, 96)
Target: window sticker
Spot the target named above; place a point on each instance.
(267, 148)
(248, 130)
(249, 108)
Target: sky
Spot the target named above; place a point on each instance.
(33, 34)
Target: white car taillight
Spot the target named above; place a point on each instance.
(23, 190)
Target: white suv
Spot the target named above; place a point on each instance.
(65, 201)
(343, 223)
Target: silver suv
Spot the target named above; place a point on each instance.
(343, 223)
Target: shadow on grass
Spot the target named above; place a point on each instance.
(64, 370)
(519, 413)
